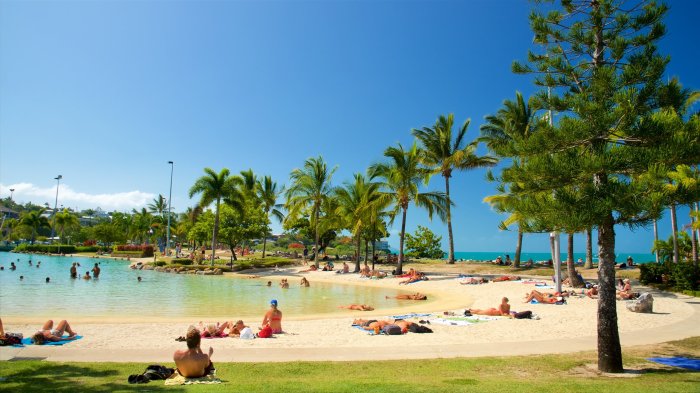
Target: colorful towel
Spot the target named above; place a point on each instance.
(411, 315)
(28, 341)
(687, 363)
(178, 379)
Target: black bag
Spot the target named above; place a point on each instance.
(419, 329)
(11, 339)
(152, 373)
(523, 315)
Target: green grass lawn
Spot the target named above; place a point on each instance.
(550, 373)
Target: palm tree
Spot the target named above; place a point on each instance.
(34, 220)
(267, 193)
(159, 206)
(66, 219)
(444, 156)
(214, 187)
(310, 186)
(355, 202)
(505, 203)
(401, 178)
(142, 224)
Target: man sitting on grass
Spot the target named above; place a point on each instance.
(193, 363)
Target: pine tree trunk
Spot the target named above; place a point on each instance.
(674, 228)
(399, 265)
(216, 229)
(656, 239)
(570, 268)
(451, 255)
(693, 239)
(518, 248)
(589, 249)
(609, 351)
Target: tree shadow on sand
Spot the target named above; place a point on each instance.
(36, 376)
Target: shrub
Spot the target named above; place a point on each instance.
(295, 245)
(181, 261)
(49, 248)
(681, 276)
(160, 263)
(145, 250)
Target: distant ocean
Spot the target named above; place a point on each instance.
(543, 256)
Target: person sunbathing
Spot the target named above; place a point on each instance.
(411, 272)
(415, 296)
(626, 292)
(49, 334)
(311, 268)
(544, 297)
(365, 272)
(506, 278)
(592, 292)
(377, 274)
(473, 281)
(503, 309)
(358, 307)
(214, 330)
(193, 363)
(372, 324)
(416, 277)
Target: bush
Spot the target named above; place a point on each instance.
(181, 261)
(145, 250)
(293, 246)
(160, 263)
(682, 276)
(92, 249)
(46, 248)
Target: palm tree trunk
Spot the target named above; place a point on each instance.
(589, 249)
(571, 269)
(367, 251)
(518, 247)
(656, 239)
(316, 214)
(609, 351)
(358, 249)
(451, 255)
(265, 241)
(216, 228)
(674, 227)
(399, 265)
(374, 244)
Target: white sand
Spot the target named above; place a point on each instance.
(561, 328)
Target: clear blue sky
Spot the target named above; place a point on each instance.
(105, 93)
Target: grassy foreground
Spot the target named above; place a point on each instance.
(550, 373)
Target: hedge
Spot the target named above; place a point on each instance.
(145, 250)
(181, 261)
(682, 276)
(92, 249)
(46, 248)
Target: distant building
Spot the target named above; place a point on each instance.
(382, 246)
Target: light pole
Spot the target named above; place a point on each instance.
(12, 191)
(170, 197)
(55, 206)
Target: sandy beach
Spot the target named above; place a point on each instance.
(560, 328)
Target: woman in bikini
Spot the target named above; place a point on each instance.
(273, 317)
(503, 309)
(48, 333)
(358, 307)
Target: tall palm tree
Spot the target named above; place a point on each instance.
(310, 185)
(267, 193)
(214, 187)
(401, 179)
(159, 206)
(66, 219)
(505, 203)
(444, 155)
(34, 220)
(355, 203)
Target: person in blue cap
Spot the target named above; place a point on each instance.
(273, 317)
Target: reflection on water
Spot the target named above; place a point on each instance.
(160, 295)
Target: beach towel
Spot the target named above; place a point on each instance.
(407, 316)
(178, 379)
(443, 321)
(28, 341)
(370, 332)
(687, 363)
(462, 321)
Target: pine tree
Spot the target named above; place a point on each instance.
(598, 59)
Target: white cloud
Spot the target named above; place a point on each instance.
(68, 197)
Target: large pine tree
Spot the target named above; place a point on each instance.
(598, 59)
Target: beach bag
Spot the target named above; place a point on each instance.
(523, 315)
(11, 339)
(247, 334)
(265, 332)
(391, 330)
(419, 329)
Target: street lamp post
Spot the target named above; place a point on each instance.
(170, 197)
(55, 207)
(12, 191)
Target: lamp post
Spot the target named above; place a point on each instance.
(12, 191)
(55, 206)
(170, 197)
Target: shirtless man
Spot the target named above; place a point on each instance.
(503, 309)
(473, 280)
(545, 297)
(193, 363)
(415, 296)
(48, 333)
(372, 324)
(506, 278)
(358, 307)
(96, 271)
(73, 271)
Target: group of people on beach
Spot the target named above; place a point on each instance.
(47, 333)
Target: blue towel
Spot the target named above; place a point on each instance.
(533, 301)
(370, 332)
(28, 341)
(411, 315)
(687, 363)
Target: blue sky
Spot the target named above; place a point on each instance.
(105, 93)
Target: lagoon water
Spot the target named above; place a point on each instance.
(117, 293)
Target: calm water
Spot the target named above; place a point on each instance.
(160, 295)
(543, 256)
